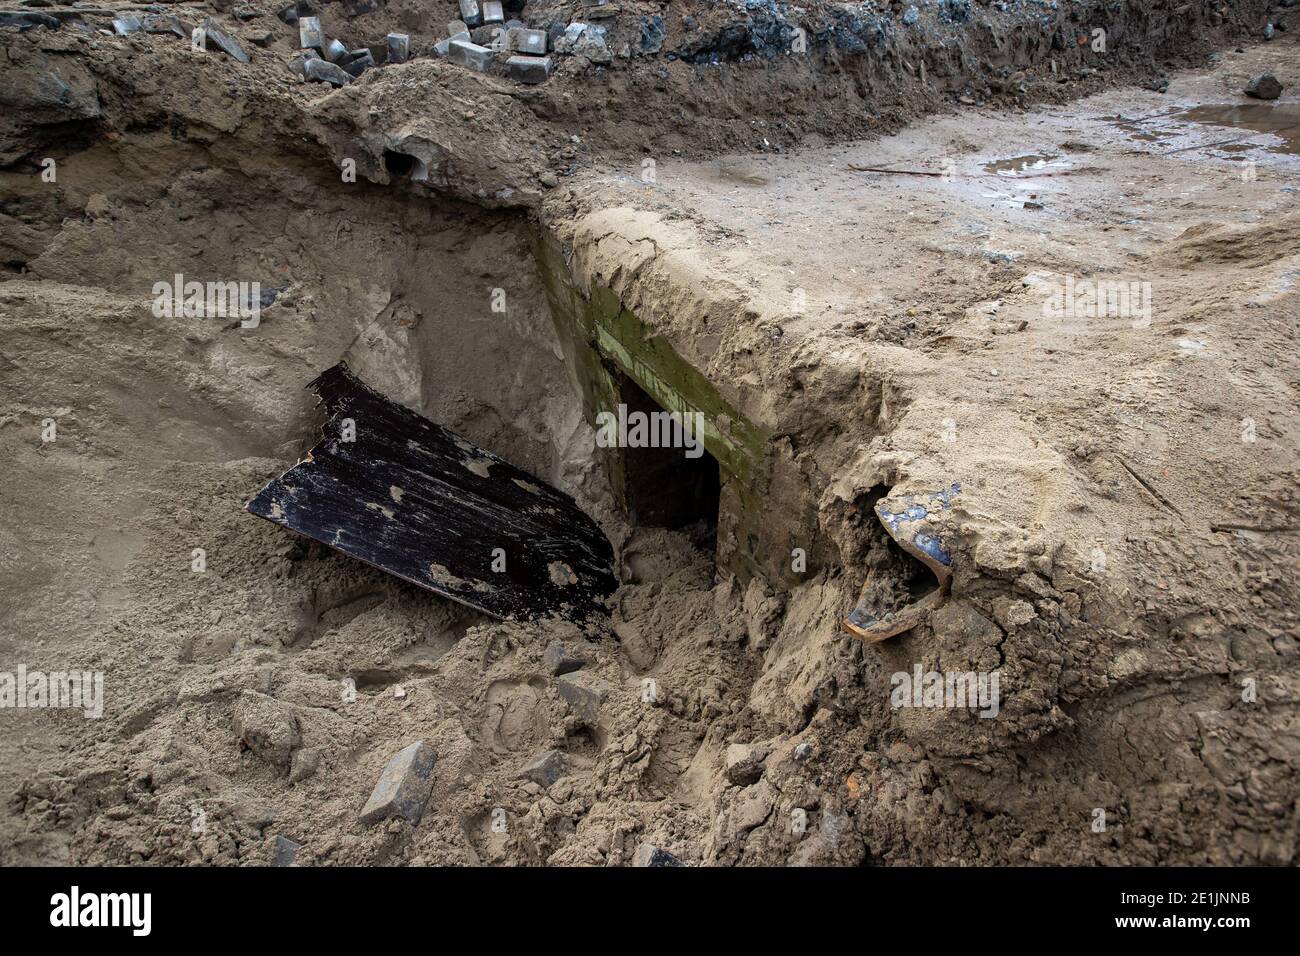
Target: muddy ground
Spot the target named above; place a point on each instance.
(1156, 685)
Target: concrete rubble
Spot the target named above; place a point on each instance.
(403, 786)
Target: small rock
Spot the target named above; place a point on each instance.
(266, 727)
(546, 768)
(743, 763)
(647, 855)
(1264, 87)
(304, 763)
(403, 786)
(559, 658)
(124, 25)
(284, 851)
(322, 71)
(584, 693)
(802, 752)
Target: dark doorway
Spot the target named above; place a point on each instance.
(662, 487)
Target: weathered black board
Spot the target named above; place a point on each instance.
(420, 502)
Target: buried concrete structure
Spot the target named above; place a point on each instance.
(615, 359)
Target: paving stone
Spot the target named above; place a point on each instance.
(223, 40)
(470, 12)
(546, 768)
(310, 33)
(358, 61)
(443, 47)
(403, 786)
(584, 693)
(398, 46)
(335, 51)
(532, 42)
(470, 54)
(493, 12)
(528, 69)
(284, 851)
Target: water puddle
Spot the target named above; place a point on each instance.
(1282, 120)
(1026, 165)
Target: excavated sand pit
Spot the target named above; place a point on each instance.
(1120, 542)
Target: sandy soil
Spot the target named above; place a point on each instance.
(917, 354)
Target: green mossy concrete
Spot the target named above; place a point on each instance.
(600, 338)
(597, 333)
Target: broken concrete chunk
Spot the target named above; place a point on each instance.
(647, 855)
(456, 26)
(743, 763)
(398, 46)
(584, 693)
(284, 851)
(1264, 87)
(467, 53)
(310, 33)
(403, 786)
(523, 40)
(334, 51)
(224, 41)
(470, 13)
(560, 659)
(323, 71)
(528, 69)
(124, 25)
(492, 12)
(547, 768)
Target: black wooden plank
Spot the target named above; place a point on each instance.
(421, 502)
